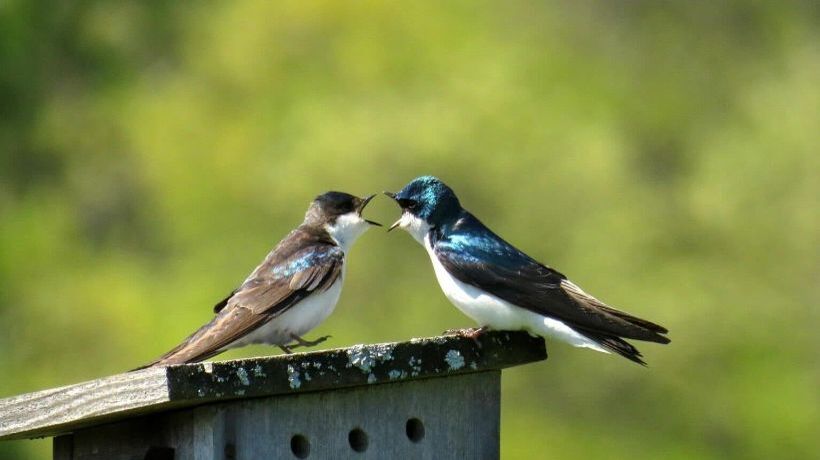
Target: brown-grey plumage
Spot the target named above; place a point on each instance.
(291, 291)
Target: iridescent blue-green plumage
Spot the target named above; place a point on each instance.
(429, 199)
(475, 255)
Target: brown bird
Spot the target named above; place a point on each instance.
(292, 291)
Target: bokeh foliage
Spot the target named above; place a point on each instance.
(662, 154)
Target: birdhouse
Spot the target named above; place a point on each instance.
(435, 397)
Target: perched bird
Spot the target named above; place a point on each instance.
(294, 289)
(500, 287)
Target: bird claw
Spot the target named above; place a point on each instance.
(300, 342)
(467, 332)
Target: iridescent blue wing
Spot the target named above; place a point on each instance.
(475, 255)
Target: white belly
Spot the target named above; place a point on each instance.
(298, 320)
(489, 310)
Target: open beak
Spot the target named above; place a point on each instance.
(395, 224)
(361, 208)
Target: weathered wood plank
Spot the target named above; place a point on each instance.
(459, 418)
(48, 412)
(456, 417)
(63, 410)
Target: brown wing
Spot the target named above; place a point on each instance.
(274, 287)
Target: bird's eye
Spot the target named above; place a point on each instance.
(409, 204)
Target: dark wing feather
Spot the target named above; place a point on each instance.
(476, 256)
(222, 303)
(275, 286)
(579, 296)
(617, 345)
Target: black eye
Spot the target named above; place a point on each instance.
(409, 204)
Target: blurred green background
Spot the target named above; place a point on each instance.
(664, 155)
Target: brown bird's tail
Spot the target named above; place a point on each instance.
(189, 351)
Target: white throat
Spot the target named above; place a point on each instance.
(415, 226)
(347, 228)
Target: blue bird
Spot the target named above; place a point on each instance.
(500, 287)
(292, 291)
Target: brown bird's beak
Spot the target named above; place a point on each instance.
(361, 208)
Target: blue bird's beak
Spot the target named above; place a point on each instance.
(393, 196)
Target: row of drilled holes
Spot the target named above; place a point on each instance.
(357, 438)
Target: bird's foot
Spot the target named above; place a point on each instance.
(286, 349)
(468, 332)
(300, 342)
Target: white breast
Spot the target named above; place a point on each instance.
(298, 320)
(489, 310)
(347, 229)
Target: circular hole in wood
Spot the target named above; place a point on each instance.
(414, 429)
(230, 452)
(159, 453)
(357, 439)
(300, 446)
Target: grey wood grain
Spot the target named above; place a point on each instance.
(48, 412)
(66, 409)
(459, 415)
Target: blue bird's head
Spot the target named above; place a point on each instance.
(426, 202)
